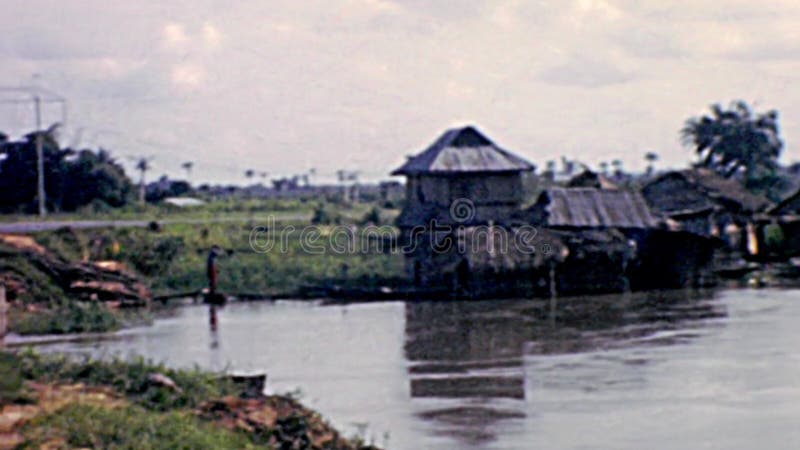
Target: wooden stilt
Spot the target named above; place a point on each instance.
(3, 315)
(553, 295)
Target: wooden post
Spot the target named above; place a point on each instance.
(553, 294)
(3, 315)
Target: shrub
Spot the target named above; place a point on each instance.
(373, 216)
(325, 215)
(152, 257)
(69, 317)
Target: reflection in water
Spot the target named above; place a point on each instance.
(213, 325)
(473, 353)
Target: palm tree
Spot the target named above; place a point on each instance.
(651, 158)
(735, 141)
(142, 165)
(249, 173)
(187, 166)
(568, 166)
(604, 168)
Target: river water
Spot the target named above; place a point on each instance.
(656, 370)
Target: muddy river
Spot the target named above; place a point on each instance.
(657, 370)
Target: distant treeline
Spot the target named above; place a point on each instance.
(73, 178)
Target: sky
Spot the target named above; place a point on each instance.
(286, 86)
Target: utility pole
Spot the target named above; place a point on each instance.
(40, 158)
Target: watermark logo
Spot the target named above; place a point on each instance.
(430, 235)
(462, 210)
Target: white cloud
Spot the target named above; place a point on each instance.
(188, 75)
(211, 36)
(587, 71)
(174, 35)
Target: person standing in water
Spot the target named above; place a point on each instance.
(211, 270)
(211, 273)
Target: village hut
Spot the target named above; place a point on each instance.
(779, 229)
(599, 228)
(703, 202)
(461, 180)
(591, 208)
(463, 168)
(788, 207)
(615, 241)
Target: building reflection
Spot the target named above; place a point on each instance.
(467, 359)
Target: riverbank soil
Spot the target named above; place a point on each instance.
(52, 402)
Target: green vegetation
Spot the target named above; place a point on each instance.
(774, 238)
(52, 401)
(74, 178)
(170, 259)
(69, 317)
(737, 142)
(38, 285)
(173, 259)
(229, 209)
(129, 378)
(129, 427)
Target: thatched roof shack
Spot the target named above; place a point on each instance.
(698, 190)
(591, 208)
(701, 201)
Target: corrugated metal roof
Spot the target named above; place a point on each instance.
(595, 208)
(463, 150)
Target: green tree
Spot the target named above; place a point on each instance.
(735, 141)
(72, 178)
(93, 177)
(18, 175)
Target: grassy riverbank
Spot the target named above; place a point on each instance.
(170, 258)
(55, 402)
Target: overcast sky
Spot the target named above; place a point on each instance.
(283, 86)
